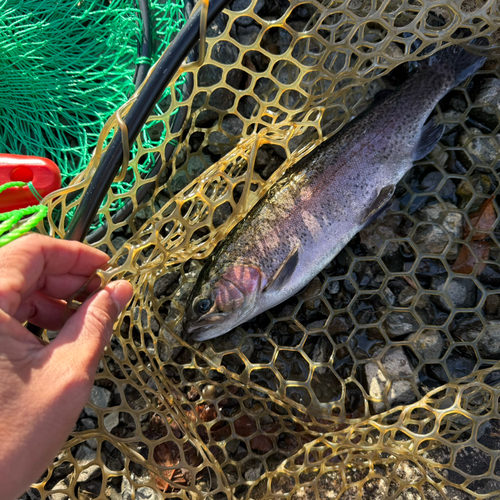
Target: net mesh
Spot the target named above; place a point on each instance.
(380, 379)
(66, 66)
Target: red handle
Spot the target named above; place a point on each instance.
(43, 174)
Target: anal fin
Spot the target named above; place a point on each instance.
(285, 271)
(379, 202)
(429, 137)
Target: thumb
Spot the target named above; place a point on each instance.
(81, 341)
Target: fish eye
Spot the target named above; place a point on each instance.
(203, 306)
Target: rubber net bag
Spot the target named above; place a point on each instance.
(380, 378)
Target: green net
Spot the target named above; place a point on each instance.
(66, 65)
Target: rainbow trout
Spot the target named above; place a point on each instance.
(322, 201)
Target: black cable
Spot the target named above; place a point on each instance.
(177, 122)
(143, 45)
(140, 110)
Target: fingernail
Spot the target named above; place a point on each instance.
(121, 292)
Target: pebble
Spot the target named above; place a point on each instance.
(100, 396)
(461, 292)
(254, 473)
(111, 421)
(163, 285)
(84, 455)
(312, 290)
(489, 97)
(146, 494)
(86, 424)
(196, 166)
(396, 364)
(486, 149)
(88, 474)
(406, 295)
(489, 341)
(433, 238)
(428, 344)
(492, 305)
(400, 323)
(333, 287)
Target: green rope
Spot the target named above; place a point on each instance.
(10, 220)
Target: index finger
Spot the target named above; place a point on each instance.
(41, 263)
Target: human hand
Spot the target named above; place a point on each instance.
(44, 388)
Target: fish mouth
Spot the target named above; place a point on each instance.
(199, 329)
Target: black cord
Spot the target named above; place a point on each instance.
(140, 110)
(177, 122)
(143, 44)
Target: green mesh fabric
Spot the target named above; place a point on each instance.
(65, 67)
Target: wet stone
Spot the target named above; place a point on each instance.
(489, 342)
(430, 238)
(489, 97)
(406, 295)
(491, 305)
(429, 344)
(400, 323)
(483, 148)
(247, 33)
(461, 292)
(195, 166)
(165, 285)
(84, 455)
(100, 396)
(396, 364)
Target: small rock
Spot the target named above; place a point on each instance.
(111, 421)
(145, 494)
(406, 295)
(126, 491)
(179, 182)
(461, 292)
(61, 485)
(467, 328)
(483, 147)
(321, 354)
(196, 166)
(333, 287)
(163, 285)
(312, 290)
(84, 455)
(118, 242)
(430, 238)
(254, 473)
(232, 125)
(489, 98)
(429, 344)
(400, 323)
(396, 364)
(248, 32)
(144, 213)
(489, 342)
(390, 297)
(492, 305)
(87, 424)
(88, 474)
(100, 396)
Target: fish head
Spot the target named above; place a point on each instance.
(219, 303)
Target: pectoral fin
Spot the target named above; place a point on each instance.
(429, 137)
(383, 197)
(285, 271)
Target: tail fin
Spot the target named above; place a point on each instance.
(461, 62)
